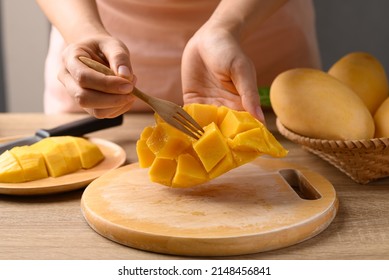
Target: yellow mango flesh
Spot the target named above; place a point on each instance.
(89, 153)
(53, 156)
(313, 103)
(167, 142)
(70, 151)
(32, 163)
(10, 169)
(365, 75)
(189, 172)
(181, 165)
(211, 147)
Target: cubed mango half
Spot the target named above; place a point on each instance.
(231, 138)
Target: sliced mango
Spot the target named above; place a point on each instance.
(211, 147)
(89, 153)
(69, 149)
(166, 141)
(231, 138)
(31, 161)
(162, 171)
(11, 171)
(189, 172)
(54, 158)
(203, 114)
(236, 122)
(146, 156)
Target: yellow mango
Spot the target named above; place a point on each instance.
(145, 155)
(221, 114)
(163, 170)
(237, 121)
(365, 75)
(381, 120)
(211, 147)
(167, 142)
(69, 150)
(224, 165)
(315, 104)
(258, 140)
(10, 169)
(189, 172)
(89, 153)
(54, 158)
(176, 160)
(203, 114)
(31, 161)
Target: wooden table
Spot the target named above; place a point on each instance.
(52, 226)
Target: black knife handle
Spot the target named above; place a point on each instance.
(80, 127)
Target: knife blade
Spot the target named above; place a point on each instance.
(75, 128)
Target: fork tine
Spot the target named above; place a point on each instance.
(188, 125)
(173, 122)
(188, 118)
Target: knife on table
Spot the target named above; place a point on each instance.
(75, 128)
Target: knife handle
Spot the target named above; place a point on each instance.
(80, 127)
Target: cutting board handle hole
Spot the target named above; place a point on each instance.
(300, 184)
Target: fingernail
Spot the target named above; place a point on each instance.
(126, 88)
(124, 71)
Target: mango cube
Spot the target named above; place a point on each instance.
(236, 122)
(203, 114)
(31, 161)
(162, 171)
(189, 172)
(11, 171)
(225, 165)
(145, 155)
(167, 142)
(211, 147)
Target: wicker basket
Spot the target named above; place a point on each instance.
(362, 160)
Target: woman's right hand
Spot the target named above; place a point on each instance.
(100, 95)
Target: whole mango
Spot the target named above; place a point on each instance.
(313, 103)
(365, 75)
(381, 120)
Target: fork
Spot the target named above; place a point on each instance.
(170, 112)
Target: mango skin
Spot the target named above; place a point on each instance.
(381, 120)
(313, 103)
(365, 75)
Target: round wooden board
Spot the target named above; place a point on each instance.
(248, 210)
(114, 157)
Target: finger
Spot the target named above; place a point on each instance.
(88, 98)
(118, 58)
(244, 78)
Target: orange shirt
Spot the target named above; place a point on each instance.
(156, 32)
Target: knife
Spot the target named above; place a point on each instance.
(75, 128)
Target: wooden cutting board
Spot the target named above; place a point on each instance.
(265, 205)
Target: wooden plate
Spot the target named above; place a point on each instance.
(261, 206)
(115, 156)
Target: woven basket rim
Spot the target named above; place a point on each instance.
(363, 144)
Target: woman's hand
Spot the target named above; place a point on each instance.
(100, 95)
(216, 71)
